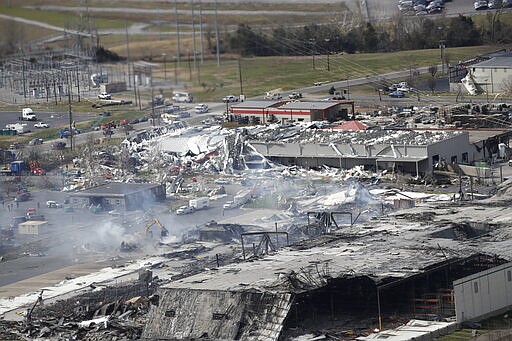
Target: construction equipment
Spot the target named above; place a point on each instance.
(163, 231)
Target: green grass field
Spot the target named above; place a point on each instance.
(60, 19)
(265, 73)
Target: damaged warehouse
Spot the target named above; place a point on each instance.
(415, 152)
(320, 283)
(117, 195)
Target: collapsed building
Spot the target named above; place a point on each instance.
(487, 73)
(381, 272)
(314, 145)
(415, 152)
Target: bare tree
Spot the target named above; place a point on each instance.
(432, 80)
(507, 86)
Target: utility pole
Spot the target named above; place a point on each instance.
(194, 35)
(201, 31)
(70, 112)
(240, 75)
(128, 55)
(217, 50)
(177, 30)
(348, 85)
(78, 80)
(134, 84)
(327, 40)
(189, 65)
(23, 76)
(312, 42)
(152, 105)
(442, 46)
(175, 71)
(165, 65)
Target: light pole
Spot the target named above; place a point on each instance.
(442, 46)
(175, 70)
(327, 40)
(165, 65)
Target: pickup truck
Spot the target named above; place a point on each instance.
(201, 108)
(230, 99)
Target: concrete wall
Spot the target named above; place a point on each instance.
(483, 294)
(217, 315)
(342, 155)
(453, 147)
(491, 80)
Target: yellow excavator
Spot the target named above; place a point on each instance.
(163, 231)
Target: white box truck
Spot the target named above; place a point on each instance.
(239, 199)
(199, 203)
(28, 115)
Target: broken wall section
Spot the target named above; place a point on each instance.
(218, 315)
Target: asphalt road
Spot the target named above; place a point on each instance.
(53, 119)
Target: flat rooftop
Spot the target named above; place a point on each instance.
(256, 104)
(321, 105)
(386, 249)
(115, 188)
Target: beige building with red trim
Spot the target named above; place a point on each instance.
(261, 112)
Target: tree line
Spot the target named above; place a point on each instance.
(400, 34)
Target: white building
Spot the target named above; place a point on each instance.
(483, 294)
(493, 75)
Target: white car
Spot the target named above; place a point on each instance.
(404, 89)
(53, 204)
(184, 210)
(201, 108)
(41, 125)
(105, 95)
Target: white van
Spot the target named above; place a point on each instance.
(183, 97)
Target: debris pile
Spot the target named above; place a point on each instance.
(103, 314)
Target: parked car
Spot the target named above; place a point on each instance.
(184, 210)
(230, 99)
(295, 95)
(104, 95)
(41, 125)
(403, 89)
(396, 94)
(53, 204)
(201, 108)
(435, 10)
(22, 197)
(34, 142)
(480, 5)
(493, 4)
(38, 171)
